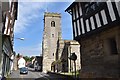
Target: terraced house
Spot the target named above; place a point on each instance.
(96, 26)
(8, 15)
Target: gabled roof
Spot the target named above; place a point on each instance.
(70, 6)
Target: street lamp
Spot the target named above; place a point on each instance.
(20, 38)
(74, 58)
(15, 66)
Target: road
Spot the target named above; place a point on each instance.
(34, 75)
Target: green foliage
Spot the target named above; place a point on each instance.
(28, 59)
(18, 55)
(32, 58)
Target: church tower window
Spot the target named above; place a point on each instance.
(53, 24)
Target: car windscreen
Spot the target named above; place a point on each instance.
(23, 68)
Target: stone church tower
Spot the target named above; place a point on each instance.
(52, 32)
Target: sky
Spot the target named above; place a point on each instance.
(29, 25)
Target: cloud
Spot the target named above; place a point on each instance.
(27, 13)
(35, 50)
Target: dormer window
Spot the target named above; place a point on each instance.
(53, 24)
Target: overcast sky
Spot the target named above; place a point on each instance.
(30, 25)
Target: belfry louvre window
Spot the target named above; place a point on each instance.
(53, 24)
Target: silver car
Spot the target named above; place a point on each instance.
(24, 70)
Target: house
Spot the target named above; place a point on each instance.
(3, 9)
(96, 26)
(7, 54)
(8, 15)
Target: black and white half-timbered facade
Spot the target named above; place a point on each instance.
(88, 17)
(96, 26)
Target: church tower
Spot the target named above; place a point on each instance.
(52, 32)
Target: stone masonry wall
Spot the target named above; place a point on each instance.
(50, 38)
(75, 48)
(97, 61)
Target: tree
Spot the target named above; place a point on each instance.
(18, 55)
(27, 59)
(32, 57)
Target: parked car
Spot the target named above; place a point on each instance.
(30, 65)
(37, 66)
(24, 70)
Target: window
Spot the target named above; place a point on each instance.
(113, 46)
(73, 14)
(53, 54)
(52, 35)
(76, 11)
(53, 24)
(75, 30)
